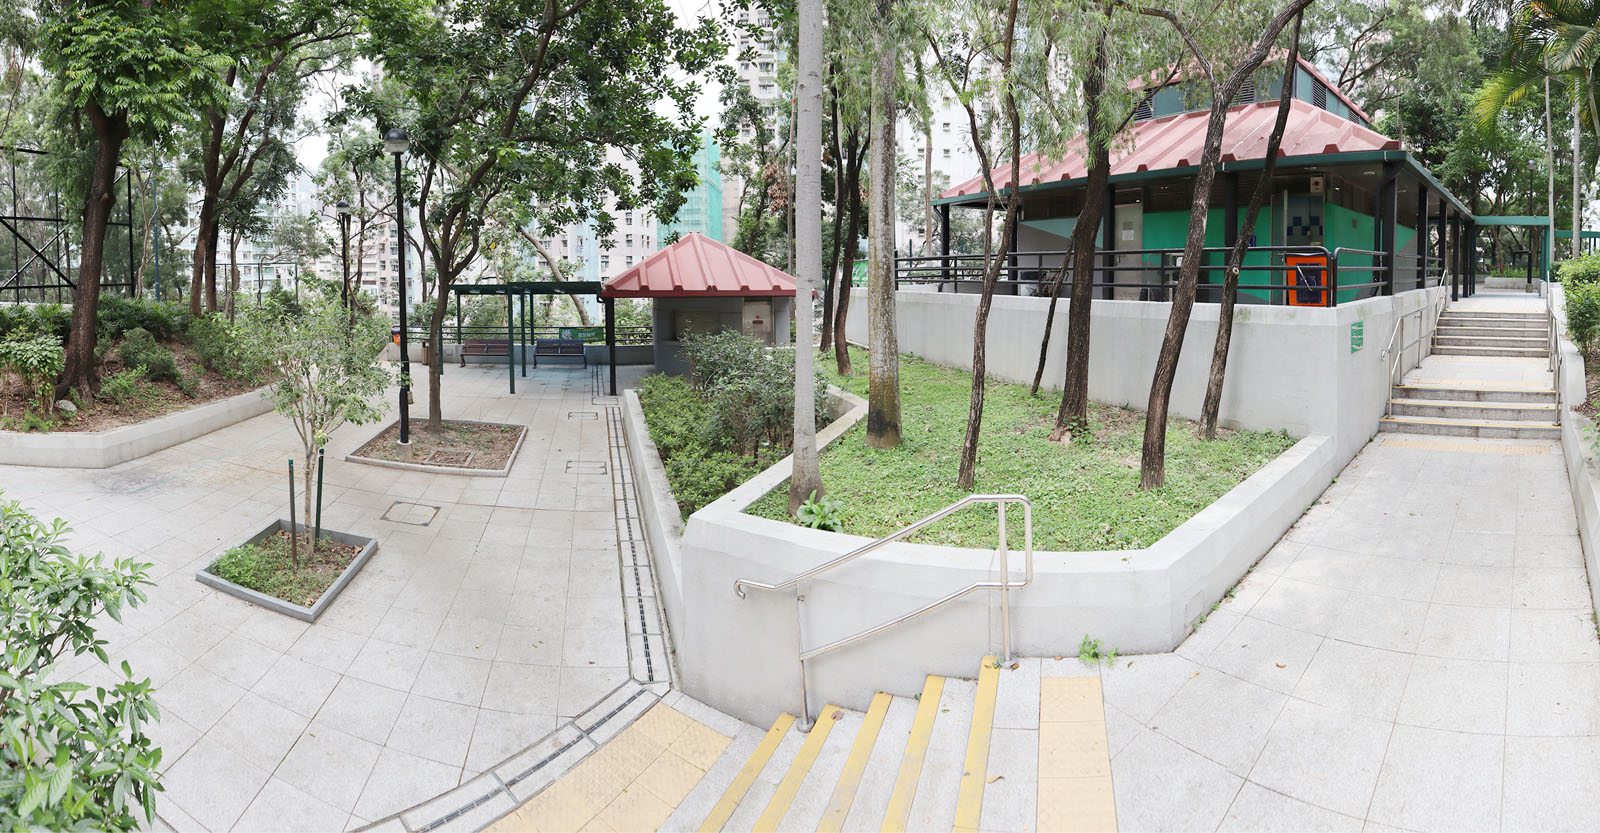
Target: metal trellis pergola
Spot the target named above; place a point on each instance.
(36, 252)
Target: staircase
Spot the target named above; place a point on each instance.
(1461, 409)
(936, 761)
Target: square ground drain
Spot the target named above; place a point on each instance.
(416, 514)
(585, 467)
(582, 415)
(445, 457)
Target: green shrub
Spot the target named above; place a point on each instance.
(677, 413)
(820, 514)
(116, 315)
(45, 319)
(1578, 270)
(217, 342)
(127, 388)
(73, 758)
(1583, 314)
(700, 475)
(751, 389)
(139, 349)
(36, 359)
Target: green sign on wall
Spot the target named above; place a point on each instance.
(1357, 335)
(584, 333)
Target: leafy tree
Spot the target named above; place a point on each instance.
(68, 760)
(521, 102)
(127, 69)
(325, 361)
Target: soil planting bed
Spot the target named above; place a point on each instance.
(463, 446)
(260, 571)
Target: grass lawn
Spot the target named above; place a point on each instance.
(1085, 494)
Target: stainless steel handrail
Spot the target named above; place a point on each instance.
(1394, 365)
(1004, 585)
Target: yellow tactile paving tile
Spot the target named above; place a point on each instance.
(969, 800)
(1074, 760)
(632, 783)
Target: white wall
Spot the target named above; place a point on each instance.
(1290, 368)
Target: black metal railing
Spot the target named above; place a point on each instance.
(526, 335)
(1308, 273)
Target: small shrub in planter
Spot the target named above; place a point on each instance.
(1583, 315)
(139, 349)
(1579, 270)
(35, 359)
(216, 340)
(70, 758)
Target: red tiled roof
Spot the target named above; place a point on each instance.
(697, 266)
(1177, 141)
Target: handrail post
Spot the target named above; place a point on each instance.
(1005, 589)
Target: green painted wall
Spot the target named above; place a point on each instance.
(1170, 229)
(1344, 227)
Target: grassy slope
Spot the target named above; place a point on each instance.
(1085, 495)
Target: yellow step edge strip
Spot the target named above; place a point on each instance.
(778, 805)
(747, 776)
(844, 794)
(969, 802)
(905, 785)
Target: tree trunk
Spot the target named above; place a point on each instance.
(1073, 415)
(79, 373)
(233, 271)
(1549, 253)
(1153, 457)
(1577, 202)
(805, 479)
(1050, 319)
(211, 269)
(883, 350)
(847, 261)
(927, 186)
(204, 238)
(436, 367)
(1230, 273)
(830, 276)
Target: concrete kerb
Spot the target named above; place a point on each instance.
(424, 467)
(104, 449)
(1583, 464)
(301, 612)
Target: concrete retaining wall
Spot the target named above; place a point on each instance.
(103, 449)
(1290, 368)
(1583, 465)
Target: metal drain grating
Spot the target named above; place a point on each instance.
(582, 415)
(415, 514)
(585, 467)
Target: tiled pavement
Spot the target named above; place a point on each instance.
(464, 640)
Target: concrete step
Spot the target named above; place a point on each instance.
(868, 800)
(1483, 428)
(1504, 352)
(1523, 411)
(1471, 394)
(808, 767)
(757, 781)
(1535, 342)
(1456, 312)
(1491, 332)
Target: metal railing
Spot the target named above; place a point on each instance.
(459, 335)
(1004, 585)
(1153, 273)
(1424, 332)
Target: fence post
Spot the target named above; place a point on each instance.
(1331, 280)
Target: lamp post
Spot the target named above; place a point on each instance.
(343, 209)
(396, 142)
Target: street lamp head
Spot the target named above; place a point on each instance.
(396, 141)
(1533, 164)
(343, 207)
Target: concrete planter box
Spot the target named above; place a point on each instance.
(742, 655)
(1583, 464)
(308, 614)
(395, 464)
(103, 449)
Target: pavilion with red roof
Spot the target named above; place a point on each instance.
(1346, 204)
(698, 285)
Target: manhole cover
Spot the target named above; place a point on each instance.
(444, 457)
(585, 467)
(416, 514)
(582, 415)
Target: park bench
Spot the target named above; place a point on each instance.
(483, 347)
(559, 348)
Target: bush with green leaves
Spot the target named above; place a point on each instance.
(751, 389)
(326, 363)
(820, 513)
(1583, 315)
(677, 413)
(216, 340)
(45, 319)
(116, 315)
(139, 349)
(127, 388)
(71, 758)
(1579, 270)
(700, 475)
(36, 359)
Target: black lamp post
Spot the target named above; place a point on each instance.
(396, 142)
(343, 208)
(1532, 164)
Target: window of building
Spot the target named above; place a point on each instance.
(628, 261)
(605, 261)
(947, 153)
(629, 217)
(947, 127)
(629, 241)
